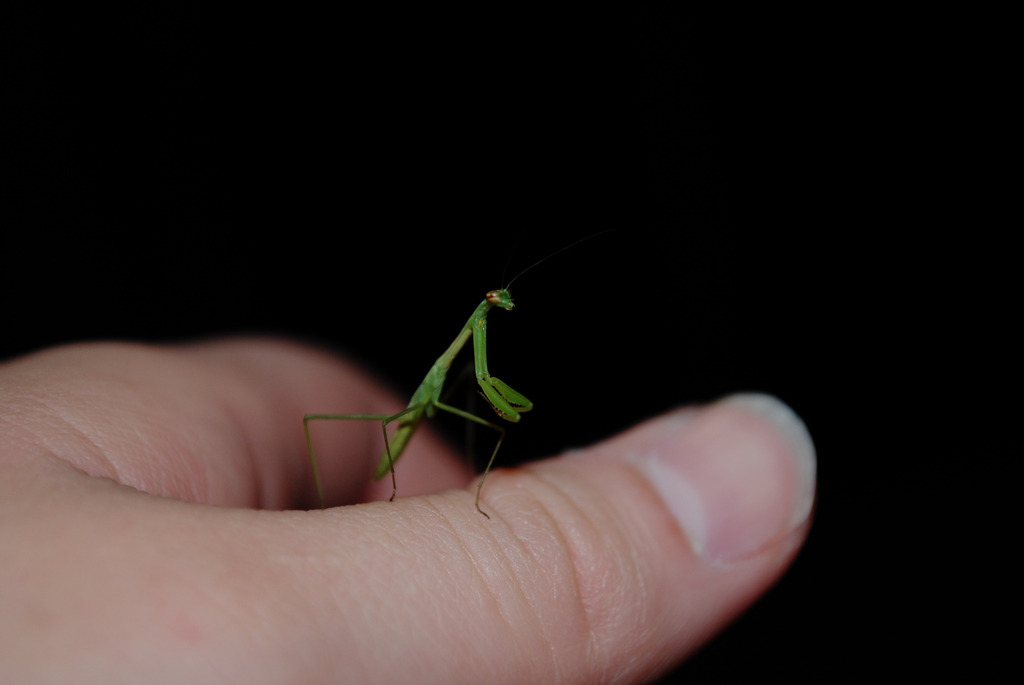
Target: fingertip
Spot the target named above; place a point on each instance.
(672, 527)
(738, 475)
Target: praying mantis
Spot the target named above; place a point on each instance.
(426, 400)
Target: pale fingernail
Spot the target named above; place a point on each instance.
(738, 475)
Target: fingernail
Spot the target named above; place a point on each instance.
(738, 475)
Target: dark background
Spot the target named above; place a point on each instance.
(778, 189)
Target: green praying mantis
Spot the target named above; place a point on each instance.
(426, 400)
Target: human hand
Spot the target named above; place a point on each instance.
(610, 563)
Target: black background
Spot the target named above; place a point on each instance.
(360, 180)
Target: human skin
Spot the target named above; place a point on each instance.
(153, 528)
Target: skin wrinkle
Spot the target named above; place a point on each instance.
(607, 573)
(527, 552)
(449, 529)
(557, 531)
(641, 580)
(493, 580)
(152, 475)
(68, 435)
(564, 543)
(491, 590)
(199, 486)
(79, 448)
(480, 582)
(478, 576)
(239, 410)
(508, 630)
(100, 402)
(154, 479)
(231, 403)
(611, 570)
(257, 494)
(179, 447)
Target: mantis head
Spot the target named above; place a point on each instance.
(500, 298)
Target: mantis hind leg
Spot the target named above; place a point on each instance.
(385, 419)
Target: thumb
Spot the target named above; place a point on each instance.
(607, 564)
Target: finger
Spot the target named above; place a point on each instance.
(609, 563)
(217, 422)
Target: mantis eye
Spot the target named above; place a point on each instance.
(500, 298)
